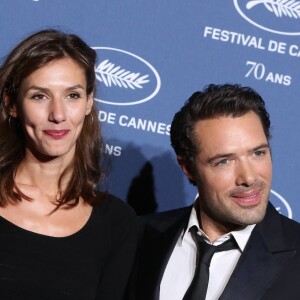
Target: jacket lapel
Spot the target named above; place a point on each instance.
(262, 260)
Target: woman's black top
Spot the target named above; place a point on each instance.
(93, 263)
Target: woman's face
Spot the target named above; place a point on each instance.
(54, 103)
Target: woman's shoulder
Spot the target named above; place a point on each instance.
(111, 204)
(118, 217)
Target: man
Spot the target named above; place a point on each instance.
(221, 139)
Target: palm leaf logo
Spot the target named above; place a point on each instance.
(110, 74)
(288, 8)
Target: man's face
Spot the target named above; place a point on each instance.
(234, 170)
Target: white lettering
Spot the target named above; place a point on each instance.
(141, 124)
(131, 123)
(207, 30)
(121, 119)
(294, 51)
(113, 150)
(233, 37)
(107, 117)
(250, 41)
(161, 128)
(278, 47)
(245, 39)
(168, 129)
(146, 125)
(117, 151)
(224, 36)
(287, 80)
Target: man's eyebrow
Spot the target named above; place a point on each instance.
(218, 156)
(262, 146)
(226, 155)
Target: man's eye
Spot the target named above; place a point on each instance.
(74, 96)
(259, 153)
(222, 162)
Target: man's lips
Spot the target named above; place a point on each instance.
(56, 134)
(247, 198)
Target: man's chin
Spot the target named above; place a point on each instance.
(251, 216)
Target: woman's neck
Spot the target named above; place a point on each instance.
(35, 176)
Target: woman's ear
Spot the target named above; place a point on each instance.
(90, 102)
(10, 108)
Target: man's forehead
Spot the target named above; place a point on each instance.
(228, 131)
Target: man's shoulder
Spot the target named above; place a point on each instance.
(291, 228)
(272, 214)
(277, 227)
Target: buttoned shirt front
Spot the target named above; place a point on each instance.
(180, 269)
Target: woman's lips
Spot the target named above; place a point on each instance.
(56, 134)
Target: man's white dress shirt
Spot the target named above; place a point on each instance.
(180, 269)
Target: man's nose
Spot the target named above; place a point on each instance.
(246, 173)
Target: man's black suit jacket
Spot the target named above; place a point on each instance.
(268, 269)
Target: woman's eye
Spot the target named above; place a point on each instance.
(38, 97)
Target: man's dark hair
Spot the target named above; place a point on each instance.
(214, 101)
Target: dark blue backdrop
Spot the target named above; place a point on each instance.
(153, 55)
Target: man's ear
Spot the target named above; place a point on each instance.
(90, 102)
(11, 109)
(185, 167)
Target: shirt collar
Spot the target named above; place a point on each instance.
(241, 236)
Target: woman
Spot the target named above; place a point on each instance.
(58, 239)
